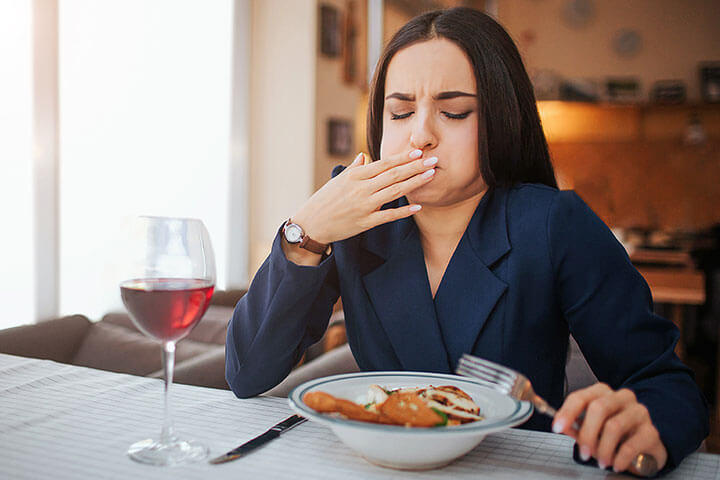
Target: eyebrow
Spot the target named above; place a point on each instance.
(406, 97)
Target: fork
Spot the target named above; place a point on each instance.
(518, 386)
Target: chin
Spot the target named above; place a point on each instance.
(427, 195)
(436, 195)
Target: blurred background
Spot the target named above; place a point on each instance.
(235, 111)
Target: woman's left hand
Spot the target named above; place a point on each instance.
(615, 429)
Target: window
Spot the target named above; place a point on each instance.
(145, 94)
(16, 174)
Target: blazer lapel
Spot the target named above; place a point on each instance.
(400, 295)
(469, 289)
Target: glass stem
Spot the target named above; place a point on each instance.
(168, 357)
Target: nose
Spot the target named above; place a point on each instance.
(423, 134)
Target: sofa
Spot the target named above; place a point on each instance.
(115, 344)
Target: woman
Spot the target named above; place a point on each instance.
(455, 239)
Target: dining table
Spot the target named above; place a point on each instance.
(68, 422)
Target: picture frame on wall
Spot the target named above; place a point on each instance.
(340, 137)
(330, 31)
(710, 82)
(350, 34)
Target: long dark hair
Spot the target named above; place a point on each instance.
(511, 142)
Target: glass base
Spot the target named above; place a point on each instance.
(175, 452)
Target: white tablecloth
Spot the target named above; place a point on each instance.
(65, 422)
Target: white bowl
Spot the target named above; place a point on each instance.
(404, 447)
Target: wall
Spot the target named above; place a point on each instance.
(676, 37)
(657, 185)
(629, 164)
(282, 113)
(337, 98)
(632, 165)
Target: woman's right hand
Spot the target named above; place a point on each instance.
(350, 203)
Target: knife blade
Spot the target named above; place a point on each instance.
(260, 440)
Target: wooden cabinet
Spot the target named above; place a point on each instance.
(591, 122)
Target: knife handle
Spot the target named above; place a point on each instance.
(288, 423)
(271, 434)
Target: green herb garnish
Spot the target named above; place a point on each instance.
(442, 415)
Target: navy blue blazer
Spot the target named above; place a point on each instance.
(534, 265)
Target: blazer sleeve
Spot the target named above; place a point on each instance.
(286, 309)
(608, 307)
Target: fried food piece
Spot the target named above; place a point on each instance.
(320, 402)
(455, 390)
(325, 403)
(453, 402)
(410, 410)
(410, 406)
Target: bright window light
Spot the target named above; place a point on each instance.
(145, 89)
(17, 287)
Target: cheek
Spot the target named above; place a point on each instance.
(469, 135)
(465, 143)
(394, 139)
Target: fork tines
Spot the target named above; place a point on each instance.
(496, 375)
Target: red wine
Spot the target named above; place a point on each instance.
(166, 308)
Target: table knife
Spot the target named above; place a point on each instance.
(260, 440)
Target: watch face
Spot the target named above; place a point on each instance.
(293, 233)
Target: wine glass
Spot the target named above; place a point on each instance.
(168, 279)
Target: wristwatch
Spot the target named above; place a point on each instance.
(295, 235)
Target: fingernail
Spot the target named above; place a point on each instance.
(359, 156)
(429, 173)
(430, 161)
(585, 453)
(415, 208)
(416, 154)
(558, 426)
(601, 466)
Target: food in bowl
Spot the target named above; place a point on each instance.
(394, 446)
(429, 406)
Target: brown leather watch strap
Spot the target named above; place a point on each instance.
(316, 247)
(308, 243)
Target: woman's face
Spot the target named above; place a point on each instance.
(431, 104)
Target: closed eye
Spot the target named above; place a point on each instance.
(457, 116)
(400, 116)
(453, 116)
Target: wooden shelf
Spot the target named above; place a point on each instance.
(603, 122)
(669, 285)
(653, 257)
